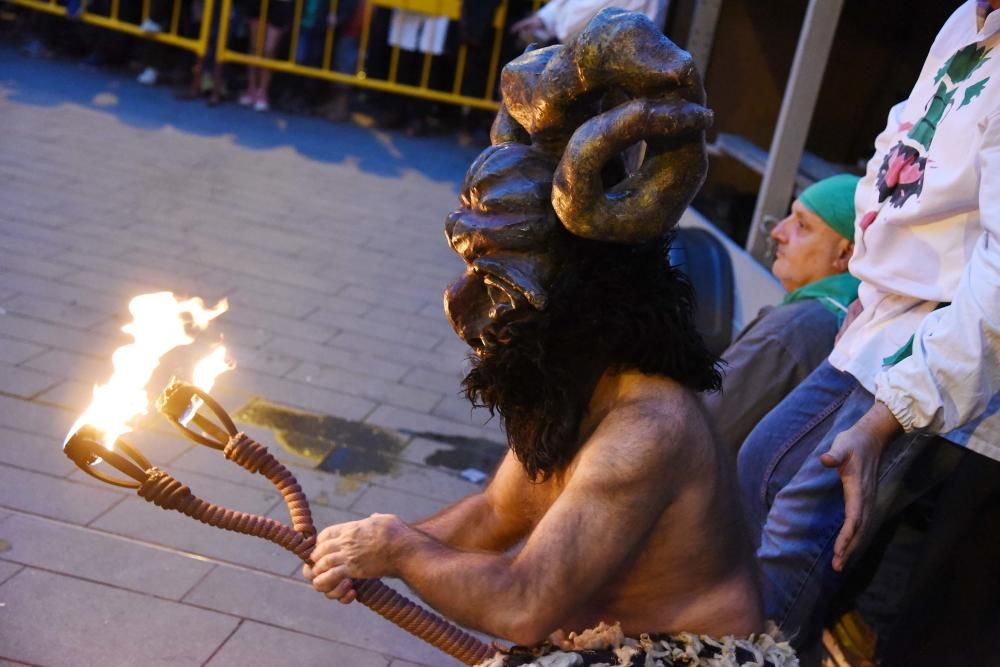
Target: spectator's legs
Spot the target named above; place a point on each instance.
(345, 60)
(216, 95)
(271, 40)
(949, 614)
(207, 62)
(775, 449)
(253, 73)
(796, 541)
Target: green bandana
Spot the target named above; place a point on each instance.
(832, 199)
(835, 293)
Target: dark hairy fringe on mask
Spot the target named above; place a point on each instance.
(617, 307)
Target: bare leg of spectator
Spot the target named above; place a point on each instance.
(249, 98)
(264, 74)
(216, 95)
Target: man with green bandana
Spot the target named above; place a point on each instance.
(779, 348)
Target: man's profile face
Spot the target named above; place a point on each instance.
(807, 249)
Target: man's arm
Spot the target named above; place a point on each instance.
(616, 494)
(954, 370)
(856, 453)
(493, 520)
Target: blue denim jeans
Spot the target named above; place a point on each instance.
(795, 505)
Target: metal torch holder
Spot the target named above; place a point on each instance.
(181, 404)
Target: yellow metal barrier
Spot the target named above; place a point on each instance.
(450, 9)
(112, 21)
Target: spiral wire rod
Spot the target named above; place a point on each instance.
(164, 491)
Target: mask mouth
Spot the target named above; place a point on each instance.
(516, 281)
(484, 298)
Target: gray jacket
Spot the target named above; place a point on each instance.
(768, 359)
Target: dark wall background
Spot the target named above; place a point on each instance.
(878, 50)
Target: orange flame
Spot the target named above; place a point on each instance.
(159, 324)
(211, 367)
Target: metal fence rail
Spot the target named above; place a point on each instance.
(171, 34)
(459, 90)
(468, 86)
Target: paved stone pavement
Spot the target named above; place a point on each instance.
(327, 240)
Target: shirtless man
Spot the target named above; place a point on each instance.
(614, 503)
(639, 528)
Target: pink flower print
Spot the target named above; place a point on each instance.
(867, 219)
(901, 175)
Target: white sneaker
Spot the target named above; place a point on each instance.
(148, 77)
(149, 25)
(261, 105)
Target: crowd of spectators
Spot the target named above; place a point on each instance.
(261, 88)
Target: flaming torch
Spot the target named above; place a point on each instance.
(159, 325)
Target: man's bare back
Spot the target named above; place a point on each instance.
(641, 528)
(692, 570)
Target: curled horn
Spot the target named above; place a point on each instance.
(620, 82)
(648, 203)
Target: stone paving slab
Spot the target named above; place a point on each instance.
(366, 386)
(407, 506)
(24, 382)
(241, 387)
(140, 520)
(15, 351)
(51, 619)
(100, 557)
(259, 644)
(296, 606)
(33, 417)
(63, 499)
(425, 481)
(33, 452)
(7, 570)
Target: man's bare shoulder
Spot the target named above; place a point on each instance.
(651, 422)
(658, 403)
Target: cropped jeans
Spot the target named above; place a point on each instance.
(795, 505)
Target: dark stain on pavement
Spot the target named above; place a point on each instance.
(333, 444)
(464, 452)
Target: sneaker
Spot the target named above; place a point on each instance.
(247, 99)
(150, 26)
(261, 105)
(148, 77)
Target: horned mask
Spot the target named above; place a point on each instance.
(563, 164)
